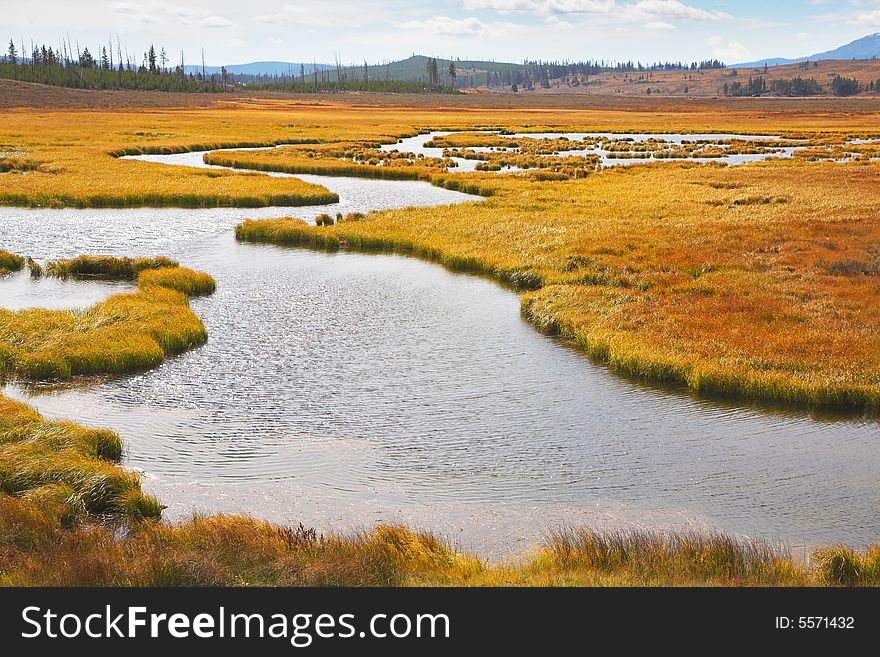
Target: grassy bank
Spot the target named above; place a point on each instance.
(236, 551)
(60, 473)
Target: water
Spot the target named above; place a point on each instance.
(19, 291)
(416, 146)
(340, 390)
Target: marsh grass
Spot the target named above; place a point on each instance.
(287, 232)
(657, 557)
(9, 262)
(843, 566)
(254, 161)
(241, 551)
(69, 469)
(181, 279)
(126, 332)
(106, 267)
(295, 232)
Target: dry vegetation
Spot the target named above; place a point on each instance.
(759, 281)
(709, 82)
(36, 549)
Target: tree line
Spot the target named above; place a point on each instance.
(112, 66)
(108, 68)
(797, 86)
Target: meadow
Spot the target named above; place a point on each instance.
(757, 281)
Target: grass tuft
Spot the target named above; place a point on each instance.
(9, 262)
(106, 267)
(182, 279)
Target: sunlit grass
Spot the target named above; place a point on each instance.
(70, 470)
(182, 279)
(126, 332)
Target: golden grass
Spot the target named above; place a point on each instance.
(238, 551)
(126, 332)
(65, 470)
(185, 280)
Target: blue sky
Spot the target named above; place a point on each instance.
(511, 30)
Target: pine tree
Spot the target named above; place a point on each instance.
(13, 53)
(86, 60)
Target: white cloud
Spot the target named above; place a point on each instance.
(733, 51)
(674, 10)
(640, 10)
(446, 26)
(273, 19)
(152, 12)
(558, 24)
(870, 18)
(660, 25)
(544, 6)
(132, 12)
(309, 16)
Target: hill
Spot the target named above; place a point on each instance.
(470, 73)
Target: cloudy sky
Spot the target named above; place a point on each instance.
(512, 30)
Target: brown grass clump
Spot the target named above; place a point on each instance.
(106, 267)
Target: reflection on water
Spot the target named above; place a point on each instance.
(344, 389)
(19, 291)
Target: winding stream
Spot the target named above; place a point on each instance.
(340, 390)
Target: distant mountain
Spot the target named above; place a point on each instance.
(260, 68)
(865, 48)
